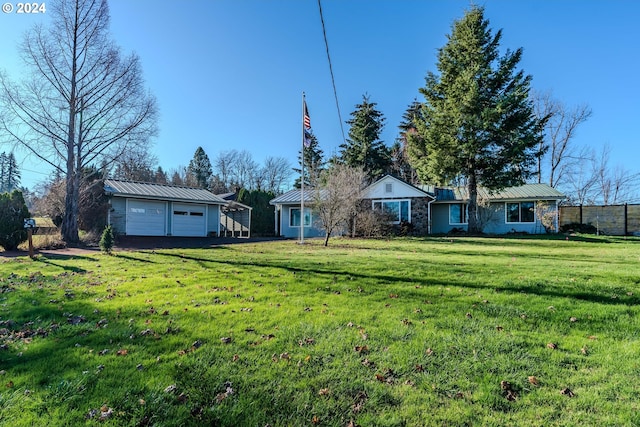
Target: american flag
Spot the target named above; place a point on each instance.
(307, 119)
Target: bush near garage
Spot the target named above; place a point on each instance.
(13, 212)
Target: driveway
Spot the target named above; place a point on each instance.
(133, 243)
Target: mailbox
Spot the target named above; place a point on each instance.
(29, 223)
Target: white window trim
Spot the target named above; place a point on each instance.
(301, 219)
(506, 212)
(373, 202)
(466, 214)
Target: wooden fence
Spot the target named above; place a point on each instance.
(615, 220)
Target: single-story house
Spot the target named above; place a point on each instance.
(391, 195)
(147, 209)
(433, 210)
(287, 214)
(519, 209)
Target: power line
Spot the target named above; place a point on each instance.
(333, 80)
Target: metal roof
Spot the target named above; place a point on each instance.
(145, 190)
(293, 197)
(523, 192)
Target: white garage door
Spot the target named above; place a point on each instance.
(189, 220)
(146, 218)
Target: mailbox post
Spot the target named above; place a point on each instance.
(30, 224)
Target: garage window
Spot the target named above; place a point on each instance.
(180, 213)
(196, 213)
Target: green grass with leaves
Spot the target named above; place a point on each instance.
(406, 332)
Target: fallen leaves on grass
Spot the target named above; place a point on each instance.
(306, 341)
(122, 352)
(509, 392)
(533, 380)
(552, 346)
(103, 413)
(567, 392)
(361, 349)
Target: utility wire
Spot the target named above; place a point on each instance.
(333, 80)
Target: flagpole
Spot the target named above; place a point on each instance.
(302, 176)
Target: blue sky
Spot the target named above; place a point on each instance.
(229, 74)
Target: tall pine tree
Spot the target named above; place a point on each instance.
(199, 169)
(313, 162)
(477, 121)
(364, 148)
(9, 173)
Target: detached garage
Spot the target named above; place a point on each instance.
(145, 209)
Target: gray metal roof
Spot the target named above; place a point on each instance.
(293, 197)
(144, 190)
(523, 192)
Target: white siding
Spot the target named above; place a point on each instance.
(188, 220)
(146, 218)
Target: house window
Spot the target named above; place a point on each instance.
(458, 213)
(397, 210)
(294, 217)
(520, 212)
(388, 188)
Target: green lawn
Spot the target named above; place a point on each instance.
(406, 332)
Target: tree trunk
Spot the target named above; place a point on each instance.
(474, 226)
(70, 220)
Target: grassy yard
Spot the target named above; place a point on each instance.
(407, 332)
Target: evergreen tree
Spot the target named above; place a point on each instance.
(477, 121)
(364, 148)
(3, 170)
(13, 212)
(9, 173)
(313, 162)
(262, 212)
(200, 168)
(160, 176)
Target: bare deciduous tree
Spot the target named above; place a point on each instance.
(246, 173)
(136, 164)
(613, 185)
(336, 200)
(581, 180)
(223, 166)
(82, 103)
(276, 172)
(560, 129)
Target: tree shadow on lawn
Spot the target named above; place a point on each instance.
(597, 295)
(72, 353)
(51, 258)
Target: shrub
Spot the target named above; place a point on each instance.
(576, 227)
(13, 212)
(370, 223)
(106, 241)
